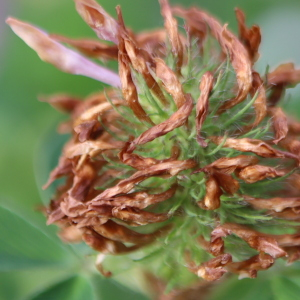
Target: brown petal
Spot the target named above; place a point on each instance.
(227, 182)
(64, 168)
(62, 102)
(61, 57)
(70, 234)
(83, 182)
(206, 86)
(230, 44)
(119, 233)
(250, 37)
(104, 245)
(98, 19)
(280, 124)
(260, 103)
(285, 74)
(139, 59)
(137, 217)
(256, 173)
(90, 47)
(255, 239)
(126, 185)
(91, 148)
(277, 204)
(230, 164)
(138, 200)
(214, 269)
(176, 120)
(248, 268)
(252, 145)
(129, 89)
(172, 31)
(211, 200)
(170, 82)
(292, 145)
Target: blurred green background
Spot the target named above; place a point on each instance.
(33, 263)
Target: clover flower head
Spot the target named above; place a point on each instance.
(186, 159)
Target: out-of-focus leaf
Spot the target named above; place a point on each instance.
(285, 289)
(111, 289)
(24, 246)
(19, 284)
(246, 289)
(74, 288)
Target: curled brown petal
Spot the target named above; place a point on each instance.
(211, 199)
(248, 268)
(139, 59)
(137, 217)
(64, 168)
(129, 89)
(255, 239)
(170, 82)
(70, 234)
(285, 74)
(250, 37)
(260, 103)
(214, 269)
(280, 123)
(91, 148)
(277, 204)
(256, 173)
(227, 182)
(98, 19)
(206, 86)
(176, 120)
(252, 145)
(230, 164)
(230, 44)
(83, 182)
(172, 31)
(104, 245)
(62, 102)
(120, 233)
(292, 145)
(61, 57)
(126, 185)
(90, 47)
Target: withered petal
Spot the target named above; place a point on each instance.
(90, 47)
(172, 31)
(250, 37)
(211, 199)
(126, 185)
(98, 19)
(280, 123)
(206, 86)
(256, 240)
(176, 120)
(61, 57)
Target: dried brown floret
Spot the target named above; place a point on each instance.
(256, 173)
(178, 119)
(214, 269)
(206, 86)
(250, 37)
(98, 19)
(256, 240)
(172, 31)
(279, 123)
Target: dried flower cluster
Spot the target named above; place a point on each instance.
(189, 172)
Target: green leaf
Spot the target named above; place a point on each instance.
(24, 246)
(74, 288)
(110, 289)
(285, 289)
(246, 289)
